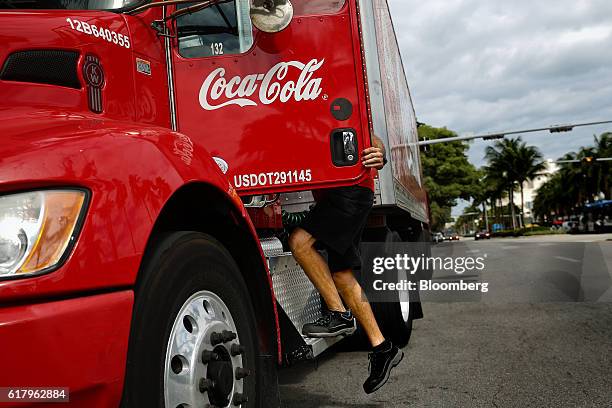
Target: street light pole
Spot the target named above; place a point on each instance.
(501, 135)
(601, 159)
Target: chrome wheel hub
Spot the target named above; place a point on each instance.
(204, 359)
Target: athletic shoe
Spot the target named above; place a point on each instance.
(381, 364)
(331, 324)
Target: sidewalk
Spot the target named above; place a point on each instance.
(561, 238)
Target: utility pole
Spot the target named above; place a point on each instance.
(486, 217)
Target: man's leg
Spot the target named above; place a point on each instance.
(384, 356)
(302, 247)
(351, 292)
(337, 321)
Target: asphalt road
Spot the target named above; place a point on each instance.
(540, 337)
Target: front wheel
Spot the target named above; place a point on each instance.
(193, 340)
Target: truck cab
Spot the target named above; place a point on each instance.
(153, 156)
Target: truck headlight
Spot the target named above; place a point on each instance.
(37, 228)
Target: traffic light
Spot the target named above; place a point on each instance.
(561, 128)
(493, 137)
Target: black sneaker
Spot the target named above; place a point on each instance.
(381, 363)
(331, 324)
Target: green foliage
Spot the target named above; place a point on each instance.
(440, 216)
(467, 219)
(511, 162)
(519, 232)
(448, 174)
(527, 232)
(577, 183)
(545, 231)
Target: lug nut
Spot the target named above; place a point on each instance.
(208, 356)
(239, 399)
(228, 336)
(242, 373)
(206, 385)
(236, 350)
(216, 338)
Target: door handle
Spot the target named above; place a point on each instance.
(344, 147)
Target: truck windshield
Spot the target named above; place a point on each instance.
(69, 4)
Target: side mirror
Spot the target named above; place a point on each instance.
(271, 16)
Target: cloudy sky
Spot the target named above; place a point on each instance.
(486, 66)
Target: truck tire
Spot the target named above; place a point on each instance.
(193, 337)
(394, 318)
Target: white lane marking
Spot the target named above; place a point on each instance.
(473, 250)
(568, 259)
(546, 244)
(510, 247)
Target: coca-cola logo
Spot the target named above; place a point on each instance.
(217, 91)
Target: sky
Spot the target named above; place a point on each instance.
(478, 66)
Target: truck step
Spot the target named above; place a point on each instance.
(272, 247)
(318, 346)
(294, 292)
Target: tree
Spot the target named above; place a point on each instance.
(603, 149)
(512, 162)
(467, 220)
(500, 159)
(528, 165)
(486, 190)
(577, 183)
(448, 175)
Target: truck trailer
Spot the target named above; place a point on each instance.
(153, 157)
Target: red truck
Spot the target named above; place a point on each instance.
(151, 155)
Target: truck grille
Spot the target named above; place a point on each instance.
(54, 67)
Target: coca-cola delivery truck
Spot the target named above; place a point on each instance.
(153, 157)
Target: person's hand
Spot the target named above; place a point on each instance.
(373, 157)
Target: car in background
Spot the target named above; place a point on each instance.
(438, 237)
(484, 234)
(453, 237)
(557, 224)
(570, 226)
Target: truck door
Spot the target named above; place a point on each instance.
(278, 112)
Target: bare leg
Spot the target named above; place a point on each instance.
(352, 294)
(302, 247)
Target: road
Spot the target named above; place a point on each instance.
(540, 337)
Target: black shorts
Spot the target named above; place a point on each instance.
(337, 222)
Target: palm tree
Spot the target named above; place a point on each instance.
(528, 164)
(553, 198)
(603, 149)
(577, 182)
(497, 191)
(500, 157)
(514, 163)
(480, 195)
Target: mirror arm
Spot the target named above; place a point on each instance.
(156, 4)
(195, 8)
(192, 9)
(160, 27)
